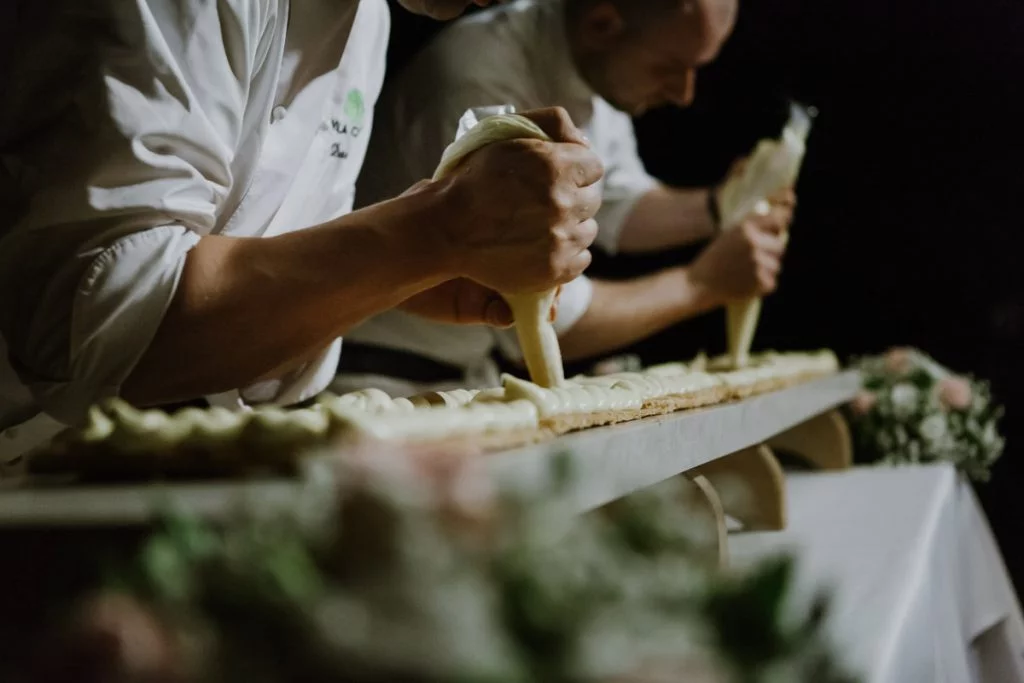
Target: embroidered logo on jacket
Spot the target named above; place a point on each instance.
(350, 125)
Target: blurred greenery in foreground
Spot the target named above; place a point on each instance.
(409, 568)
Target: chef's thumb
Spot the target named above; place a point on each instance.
(557, 124)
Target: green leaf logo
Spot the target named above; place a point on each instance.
(355, 108)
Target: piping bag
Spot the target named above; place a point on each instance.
(530, 310)
(773, 166)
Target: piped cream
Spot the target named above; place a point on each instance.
(572, 398)
(440, 422)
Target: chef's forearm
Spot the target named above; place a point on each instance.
(250, 309)
(622, 313)
(665, 218)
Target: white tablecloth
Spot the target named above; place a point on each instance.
(921, 594)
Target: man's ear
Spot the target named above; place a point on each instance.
(602, 25)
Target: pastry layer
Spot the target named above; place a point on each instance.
(119, 440)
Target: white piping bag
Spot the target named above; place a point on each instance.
(773, 166)
(531, 310)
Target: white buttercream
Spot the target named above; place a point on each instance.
(452, 399)
(517, 405)
(440, 422)
(823, 361)
(369, 400)
(669, 370)
(573, 398)
(653, 385)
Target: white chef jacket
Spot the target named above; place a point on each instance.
(516, 54)
(130, 129)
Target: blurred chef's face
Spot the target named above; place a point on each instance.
(653, 62)
(442, 9)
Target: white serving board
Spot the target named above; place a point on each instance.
(612, 462)
(608, 463)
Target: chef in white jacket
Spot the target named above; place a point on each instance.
(144, 143)
(602, 60)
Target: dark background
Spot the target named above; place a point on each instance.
(908, 226)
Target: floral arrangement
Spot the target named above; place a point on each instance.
(421, 573)
(912, 410)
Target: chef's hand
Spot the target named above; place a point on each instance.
(782, 204)
(464, 302)
(744, 262)
(520, 213)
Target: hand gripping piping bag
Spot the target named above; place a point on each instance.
(773, 166)
(531, 310)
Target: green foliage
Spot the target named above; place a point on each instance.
(415, 583)
(913, 410)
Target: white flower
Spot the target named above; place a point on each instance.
(990, 436)
(904, 399)
(934, 428)
(926, 412)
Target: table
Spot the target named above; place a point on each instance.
(921, 592)
(47, 528)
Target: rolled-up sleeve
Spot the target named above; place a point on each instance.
(117, 143)
(625, 179)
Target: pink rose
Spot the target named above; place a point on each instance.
(898, 360)
(112, 638)
(863, 403)
(955, 393)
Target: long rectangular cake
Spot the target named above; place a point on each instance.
(122, 441)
